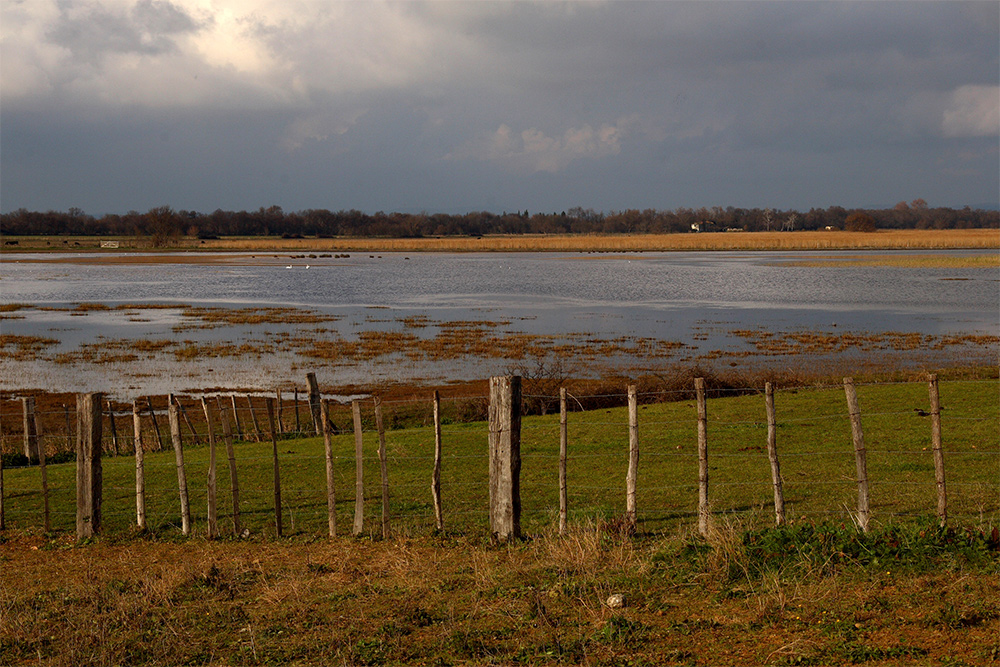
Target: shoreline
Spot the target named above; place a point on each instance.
(952, 239)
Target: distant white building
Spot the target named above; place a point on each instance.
(703, 226)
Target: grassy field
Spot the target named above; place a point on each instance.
(817, 592)
(818, 240)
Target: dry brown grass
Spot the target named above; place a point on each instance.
(818, 240)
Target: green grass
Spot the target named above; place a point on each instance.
(814, 444)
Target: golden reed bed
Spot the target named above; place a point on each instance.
(820, 240)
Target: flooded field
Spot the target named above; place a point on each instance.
(141, 323)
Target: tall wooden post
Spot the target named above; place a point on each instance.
(563, 444)
(227, 433)
(436, 476)
(331, 500)
(314, 407)
(704, 515)
(942, 496)
(359, 486)
(505, 457)
(88, 465)
(277, 472)
(140, 478)
(173, 413)
(858, 436)
(30, 431)
(633, 455)
(383, 467)
(772, 455)
(210, 485)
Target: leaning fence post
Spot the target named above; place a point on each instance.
(30, 430)
(436, 476)
(140, 479)
(331, 500)
(505, 457)
(88, 465)
(236, 418)
(227, 433)
(184, 415)
(314, 398)
(210, 490)
(173, 413)
(704, 515)
(858, 436)
(156, 425)
(772, 455)
(563, 444)
(633, 455)
(259, 437)
(382, 467)
(359, 487)
(942, 498)
(277, 473)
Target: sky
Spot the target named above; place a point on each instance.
(451, 107)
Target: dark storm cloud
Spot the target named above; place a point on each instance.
(450, 106)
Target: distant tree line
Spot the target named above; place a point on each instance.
(163, 223)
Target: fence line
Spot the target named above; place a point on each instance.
(36, 441)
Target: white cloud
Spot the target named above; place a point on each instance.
(974, 111)
(533, 151)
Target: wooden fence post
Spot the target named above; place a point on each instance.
(88, 465)
(236, 418)
(184, 415)
(704, 515)
(156, 425)
(942, 497)
(227, 434)
(277, 472)
(298, 425)
(44, 474)
(30, 430)
(359, 487)
(436, 475)
(281, 425)
(114, 429)
(633, 456)
(563, 445)
(505, 457)
(331, 500)
(210, 490)
(70, 441)
(772, 455)
(382, 467)
(140, 478)
(3, 513)
(173, 413)
(314, 398)
(858, 436)
(253, 418)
